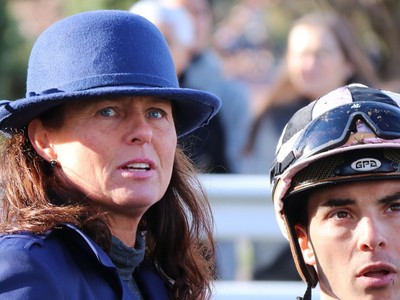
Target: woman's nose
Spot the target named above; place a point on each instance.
(139, 131)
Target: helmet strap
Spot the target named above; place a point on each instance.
(307, 294)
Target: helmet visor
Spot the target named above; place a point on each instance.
(333, 128)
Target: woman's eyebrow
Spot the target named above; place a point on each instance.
(161, 100)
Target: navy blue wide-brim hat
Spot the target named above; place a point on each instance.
(104, 53)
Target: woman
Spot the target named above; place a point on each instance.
(99, 201)
(322, 54)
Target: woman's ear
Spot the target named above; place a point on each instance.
(305, 245)
(39, 138)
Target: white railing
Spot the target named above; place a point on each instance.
(243, 213)
(260, 290)
(242, 206)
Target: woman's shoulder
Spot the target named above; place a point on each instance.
(23, 244)
(28, 261)
(57, 248)
(23, 240)
(26, 241)
(32, 249)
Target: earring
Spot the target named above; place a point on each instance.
(53, 163)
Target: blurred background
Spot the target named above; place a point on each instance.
(249, 39)
(250, 35)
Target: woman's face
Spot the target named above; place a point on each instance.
(120, 152)
(316, 63)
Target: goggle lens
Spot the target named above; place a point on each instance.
(333, 128)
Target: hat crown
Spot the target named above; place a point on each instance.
(99, 54)
(99, 49)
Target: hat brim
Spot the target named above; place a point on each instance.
(192, 108)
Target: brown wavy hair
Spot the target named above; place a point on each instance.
(178, 228)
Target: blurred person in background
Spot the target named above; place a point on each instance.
(322, 54)
(175, 25)
(243, 27)
(242, 39)
(205, 72)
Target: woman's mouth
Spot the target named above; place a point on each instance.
(138, 169)
(141, 167)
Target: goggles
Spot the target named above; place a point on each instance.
(333, 128)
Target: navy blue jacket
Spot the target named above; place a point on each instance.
(66, 264)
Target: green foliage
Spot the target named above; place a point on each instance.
(13, 57)
(74, 6)
(376, 22)
(15, 49)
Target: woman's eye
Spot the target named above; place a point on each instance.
(156, 113)
(107, 112)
